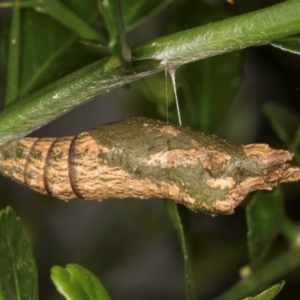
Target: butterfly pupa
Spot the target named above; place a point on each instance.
(145, 158)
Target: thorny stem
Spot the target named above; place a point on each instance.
(290, 231)
(267, 274)
(256, 28)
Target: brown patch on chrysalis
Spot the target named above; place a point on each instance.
(213, 158)
(221, 183)
(170, 158)
(167, 129)
(208, 159)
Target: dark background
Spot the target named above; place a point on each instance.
(130, 244)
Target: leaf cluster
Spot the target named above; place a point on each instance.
(59, 54)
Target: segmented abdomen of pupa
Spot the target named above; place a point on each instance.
(102, 163)
(69, 167)
(40, 164)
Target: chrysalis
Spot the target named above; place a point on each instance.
(145, 158)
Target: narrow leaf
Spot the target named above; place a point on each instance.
(135, 12)
(18, 276)
(264, 275)
(174, 215)
(64, 15)
(76, 283)
(290, 230)
(13, 57)
(284, 121)
(204, 83)
(208, 86)
(286, 125)
(48, 54)
(294, 146)
(112, 14)
(6, 4)
(157, 89)
(255, 29)
(264, 216)
(268, 293)
(22, 4)
(289, 44)
(50, 50)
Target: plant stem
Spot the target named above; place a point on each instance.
(176, 220)
(112, 15)
(265, 275)
(256, 28)
(290, 231)
(13, 57)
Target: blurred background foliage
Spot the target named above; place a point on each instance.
(248, 96)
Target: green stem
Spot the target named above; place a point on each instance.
(112, 15)
(265, 275)
(256, 28)
(252, 29)
(294, 146)
(290, 231)
(13, 59)
(6, 4)
(26, 4)
(175, 217)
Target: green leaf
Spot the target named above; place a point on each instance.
(76, 283)
(75, 89)
(206, 88)
(135, 12)
(172, 209)
(286, 125)
(209, 87)
(291, 231)
(13, 57)
(268, 273)
(18, 275)
(68, 18)
(289, 44)
(112, 15)
(295, 145)
(264, 214)
(284, 121)
(49, 51)
(268, 293)
(157, 89)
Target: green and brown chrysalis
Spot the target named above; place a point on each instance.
(145, 158)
